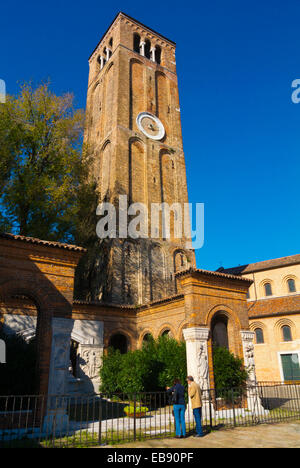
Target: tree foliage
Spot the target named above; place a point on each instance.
(229, 371)
(45, 191)
(151, 368)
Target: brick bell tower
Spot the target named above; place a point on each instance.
(133, 126)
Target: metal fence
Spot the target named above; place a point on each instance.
(82, 421)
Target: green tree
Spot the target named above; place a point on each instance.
(229, 371)
(151, 368)
(45, 190)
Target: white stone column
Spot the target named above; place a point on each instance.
(58, 375)
(197, 355)
(152, 50)
(248, 351)
(142, 48)
(253, 398)
(101, 62)
(108, 51)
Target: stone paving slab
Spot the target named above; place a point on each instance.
(283, 435)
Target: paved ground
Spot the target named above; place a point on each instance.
(284, 435)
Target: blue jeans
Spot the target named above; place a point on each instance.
(197, 412)
(179, 415)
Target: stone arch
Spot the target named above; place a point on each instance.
(167, 176)
(44, 299)
(168, 183)
(162, 99)
(105, 170)
(285, 285)
(136, 91)
(260, 325)
(136, 42)
(280, 324)
(180, 260)
(166, 327)
(145, 332)
(137, 171)
(263, 285)
(121, 332)
(233, 327)
(96, 106)
(108, 98)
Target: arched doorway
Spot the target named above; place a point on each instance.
(219, 331)
(120, 342)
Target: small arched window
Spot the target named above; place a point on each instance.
(110, 42)
(268, 289)
(259, 336)
(286, 333)
(136, 42)
(291, 285)
(147, 338)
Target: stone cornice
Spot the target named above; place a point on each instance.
(196, 334)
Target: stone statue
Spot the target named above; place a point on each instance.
(202, 368)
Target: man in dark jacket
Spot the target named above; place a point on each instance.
(178, 407)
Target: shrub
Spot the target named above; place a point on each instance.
(151, 368)
(129, 410)
(229, 371)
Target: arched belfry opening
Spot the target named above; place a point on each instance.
(147, 48)
(158, 54)
(136, 42)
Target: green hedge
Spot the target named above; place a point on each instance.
(229, 371)
(151, 368)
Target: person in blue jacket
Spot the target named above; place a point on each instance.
(178, 400)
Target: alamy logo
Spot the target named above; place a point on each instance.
(2, 352)
(137, 221)
(2, 91)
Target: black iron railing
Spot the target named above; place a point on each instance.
(93, 420)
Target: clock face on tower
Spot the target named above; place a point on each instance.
(150, 125)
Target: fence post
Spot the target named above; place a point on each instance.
(100, 420)
(232, 397)
(210, 413)
(134, 416)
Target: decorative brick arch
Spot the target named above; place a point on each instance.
(121, 331)
(44, 299)
(233, 328)
(165, 327)
(142, 336)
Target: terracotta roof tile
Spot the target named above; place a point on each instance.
(32, 240)
(274, 306)
(212, 273)
(261, 266)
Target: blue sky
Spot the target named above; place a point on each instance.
(235, 62)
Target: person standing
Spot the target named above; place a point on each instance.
(195, 396)
(178, 407)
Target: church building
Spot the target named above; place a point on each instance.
(127, 289)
